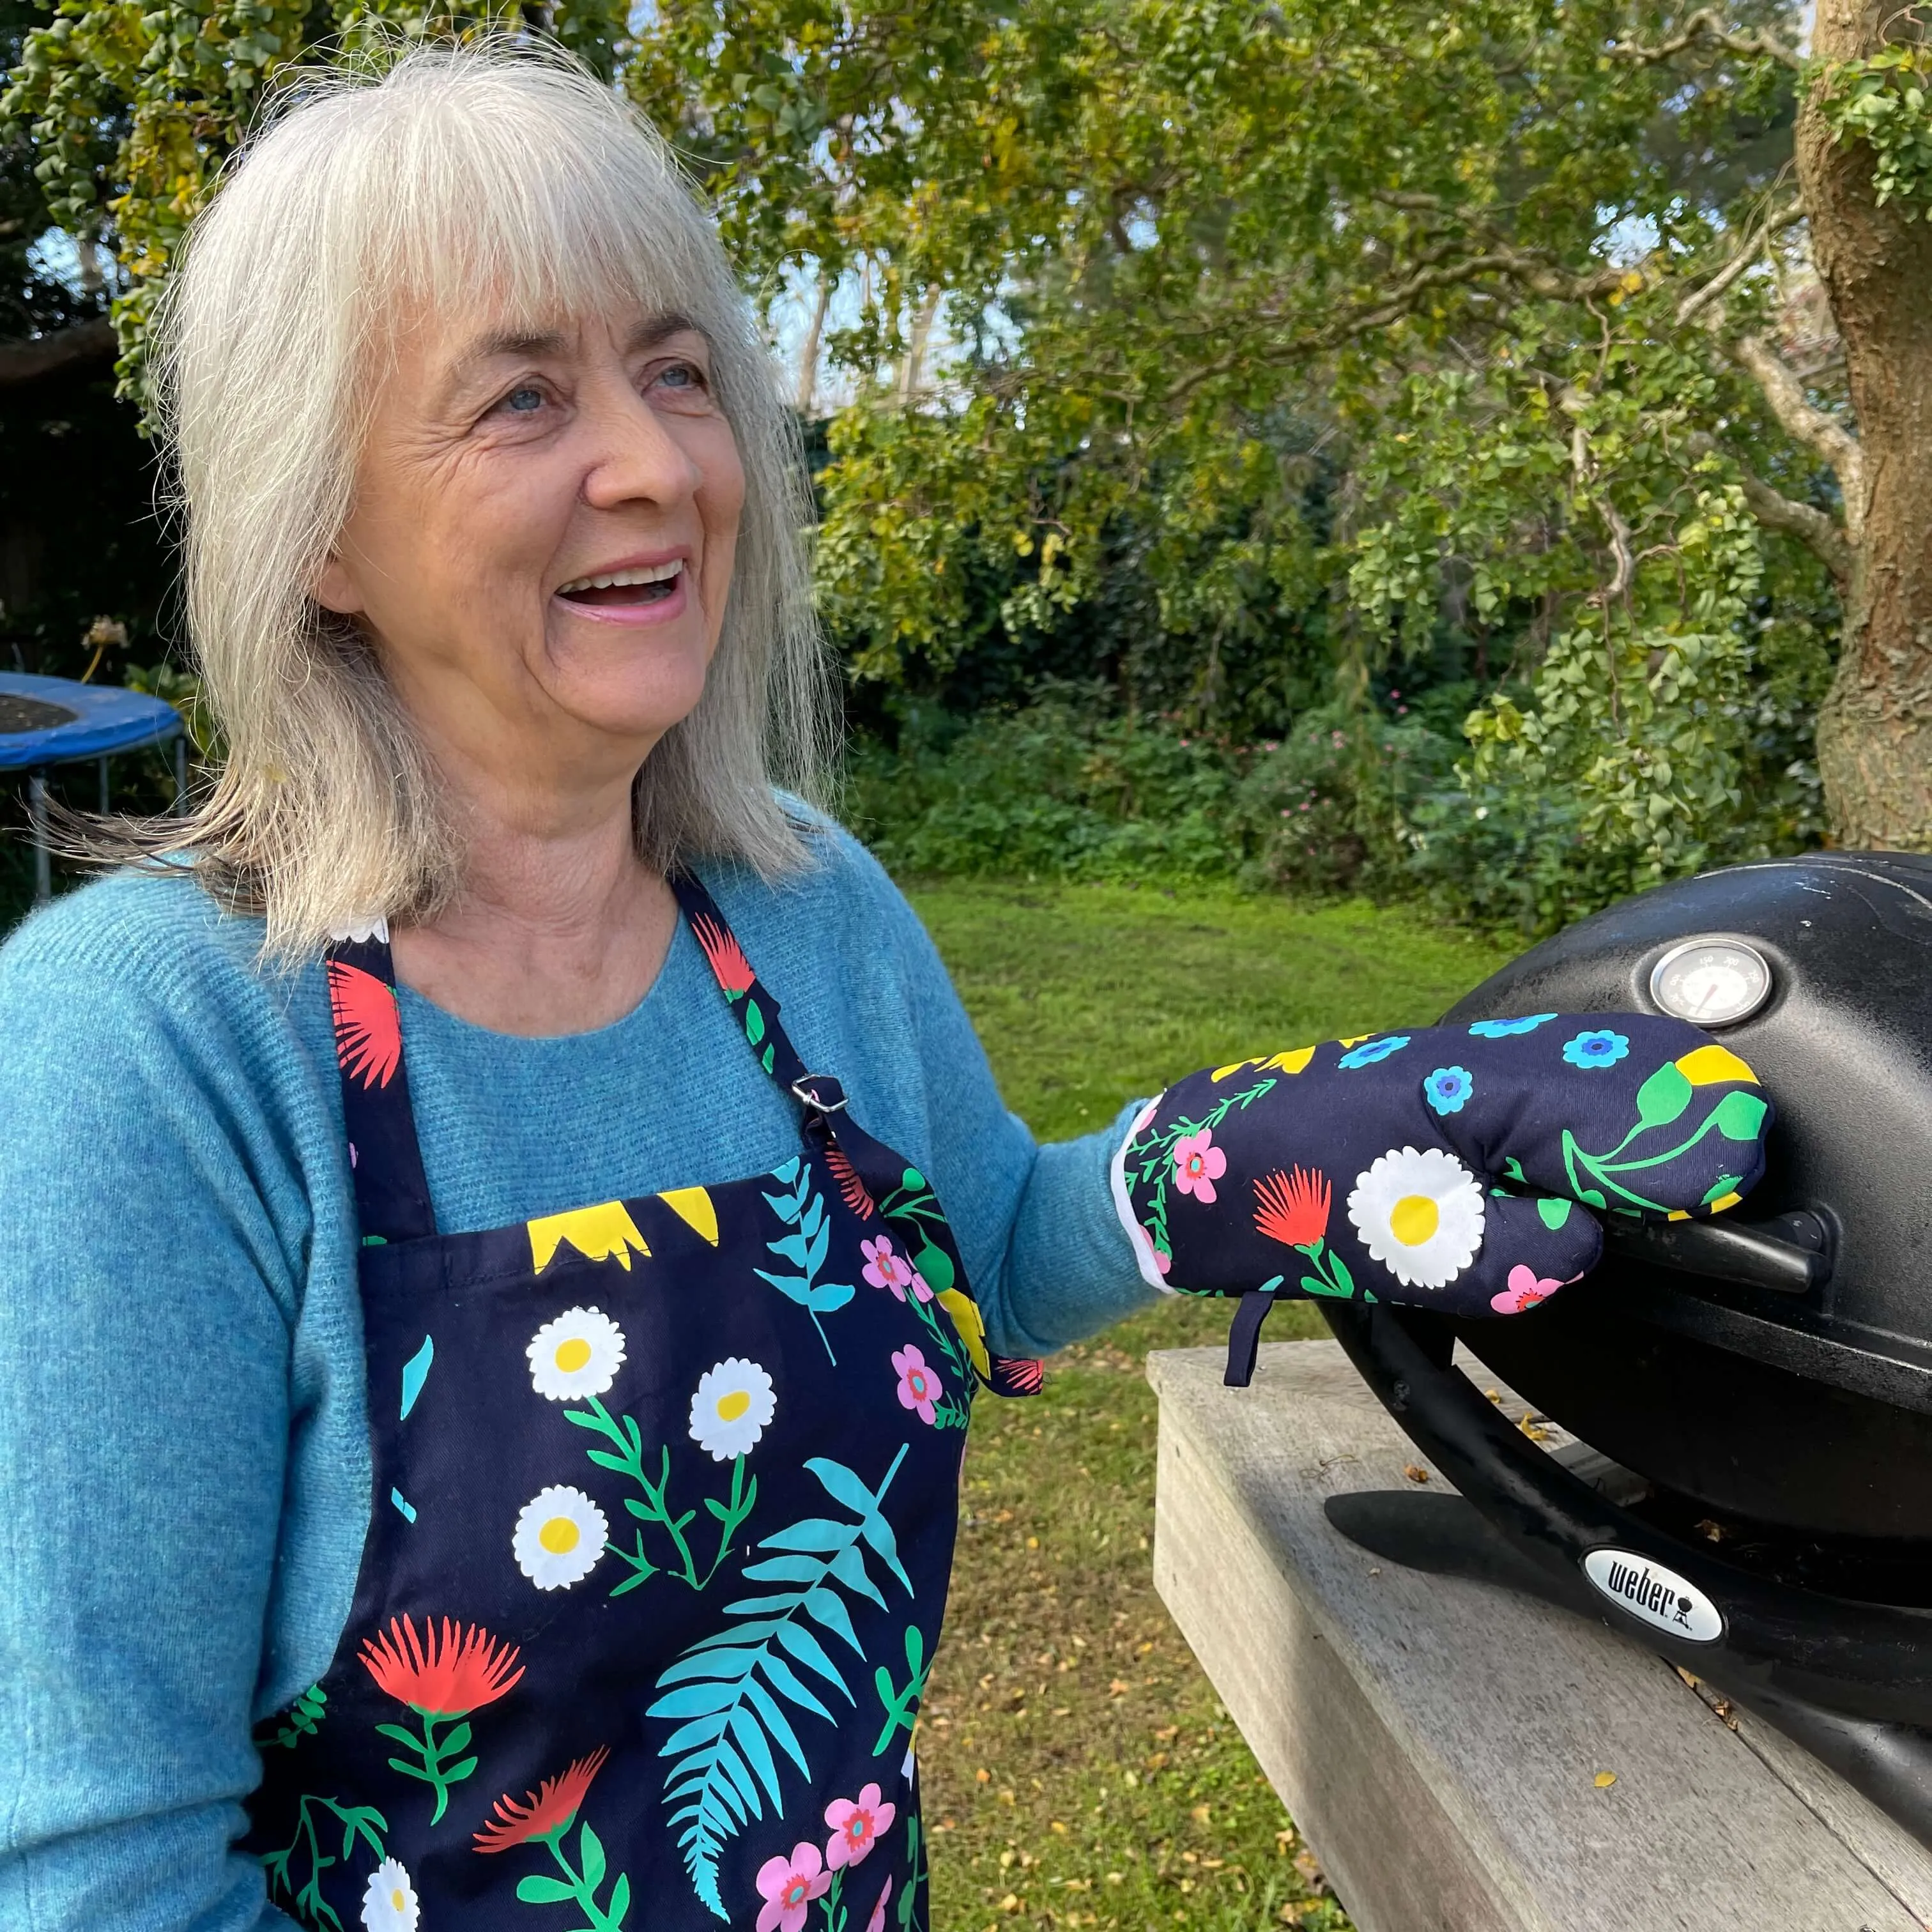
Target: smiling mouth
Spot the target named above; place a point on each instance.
(652, 584)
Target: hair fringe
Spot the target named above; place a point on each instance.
(405, 168)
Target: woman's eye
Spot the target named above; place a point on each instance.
(684, 381)
(523, 401)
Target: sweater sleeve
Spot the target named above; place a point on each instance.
(1044, 1251)
(146, 1300)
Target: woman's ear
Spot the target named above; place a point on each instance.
(336, 589)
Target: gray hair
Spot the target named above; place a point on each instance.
(424, 176)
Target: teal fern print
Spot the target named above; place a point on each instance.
(801, 1208)
(730, 1690)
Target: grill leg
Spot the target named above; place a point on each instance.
(36, 821)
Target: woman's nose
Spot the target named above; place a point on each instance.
(635, 456)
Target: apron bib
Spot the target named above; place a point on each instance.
(665, 1492)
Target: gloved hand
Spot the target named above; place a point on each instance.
(1438, 1167)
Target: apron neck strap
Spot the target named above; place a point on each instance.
(391, 1190)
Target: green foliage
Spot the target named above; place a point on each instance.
(1883, 101)
(1063, 790)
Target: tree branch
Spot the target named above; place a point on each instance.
(1530, 272)
(1818, 533)
(27, 361)
(1707, 24)
(1824, 434)
(1793, 211)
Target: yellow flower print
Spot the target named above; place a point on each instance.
(1293, 1061)
(965, 1314)
(1707, 1065)
(596, 1233)
(692, 1206)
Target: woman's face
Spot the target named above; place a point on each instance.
(542, 540)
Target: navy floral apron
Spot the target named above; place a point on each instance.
(664, 1496)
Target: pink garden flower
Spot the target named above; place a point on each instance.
(884, 1269)
(877, 1923)
(857, 1824)
(788, 1886)
(920, 1387)
(1198, 1164)
(1525, 1290)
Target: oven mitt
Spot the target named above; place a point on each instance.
(1440, 1167)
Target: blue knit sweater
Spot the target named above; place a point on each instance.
(184, 1464)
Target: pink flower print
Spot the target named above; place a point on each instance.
(788, 1886)
(919, 1287)
(920, 1387)
(1162, 1260)
(877, 1923)
(1525, 1290)
(857, 1824)
(1198, 1164)
(884, 1269)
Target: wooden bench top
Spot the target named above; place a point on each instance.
(1441, 1743)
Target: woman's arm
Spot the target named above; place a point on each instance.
(1044, 1251)
(146, 1307)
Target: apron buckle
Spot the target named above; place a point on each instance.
(820, 1092)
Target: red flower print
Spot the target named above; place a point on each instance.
(1198, 1164)
(920, 1388)
(857, 1824)
(1020, 1375)
(1292, 1208)
(728, 963)
(445, 1677)
(788, 1886)
(1525, 1290)
(884, 1269)
(368, 1029)
(543, 1813)
(856, 1198)
(877, 1923)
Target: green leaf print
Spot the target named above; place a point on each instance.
(358, 1822)
(578, 1885)
(729, 1692)
(902, 1703)
(303, 1720)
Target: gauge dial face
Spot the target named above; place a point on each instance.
(1713, 982)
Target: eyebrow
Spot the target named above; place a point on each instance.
(518, 343)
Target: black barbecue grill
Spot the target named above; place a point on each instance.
(1753, 1395)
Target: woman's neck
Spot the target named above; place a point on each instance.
(559, 927)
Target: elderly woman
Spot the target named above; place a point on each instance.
(480, 1396)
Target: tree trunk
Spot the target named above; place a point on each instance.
(1875, 729)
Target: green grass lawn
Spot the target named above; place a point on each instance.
(1078, 1770)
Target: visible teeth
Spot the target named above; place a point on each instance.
(657, 573)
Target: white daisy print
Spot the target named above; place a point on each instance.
(389, 1899)
(576, 1356)
(733, 1403)
(559, 1536)
(1420, 1215)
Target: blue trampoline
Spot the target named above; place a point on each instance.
(57, 720)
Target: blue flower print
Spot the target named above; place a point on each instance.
(1448, 1088)
(1371, 1051)
(1596, 1049)
(1502, 1029)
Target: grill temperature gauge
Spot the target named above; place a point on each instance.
(1713, 982)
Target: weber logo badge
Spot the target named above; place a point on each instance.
(1662, 1598)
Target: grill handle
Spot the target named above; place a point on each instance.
(1790, 1254)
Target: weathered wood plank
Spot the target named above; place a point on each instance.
(1438, 1741)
